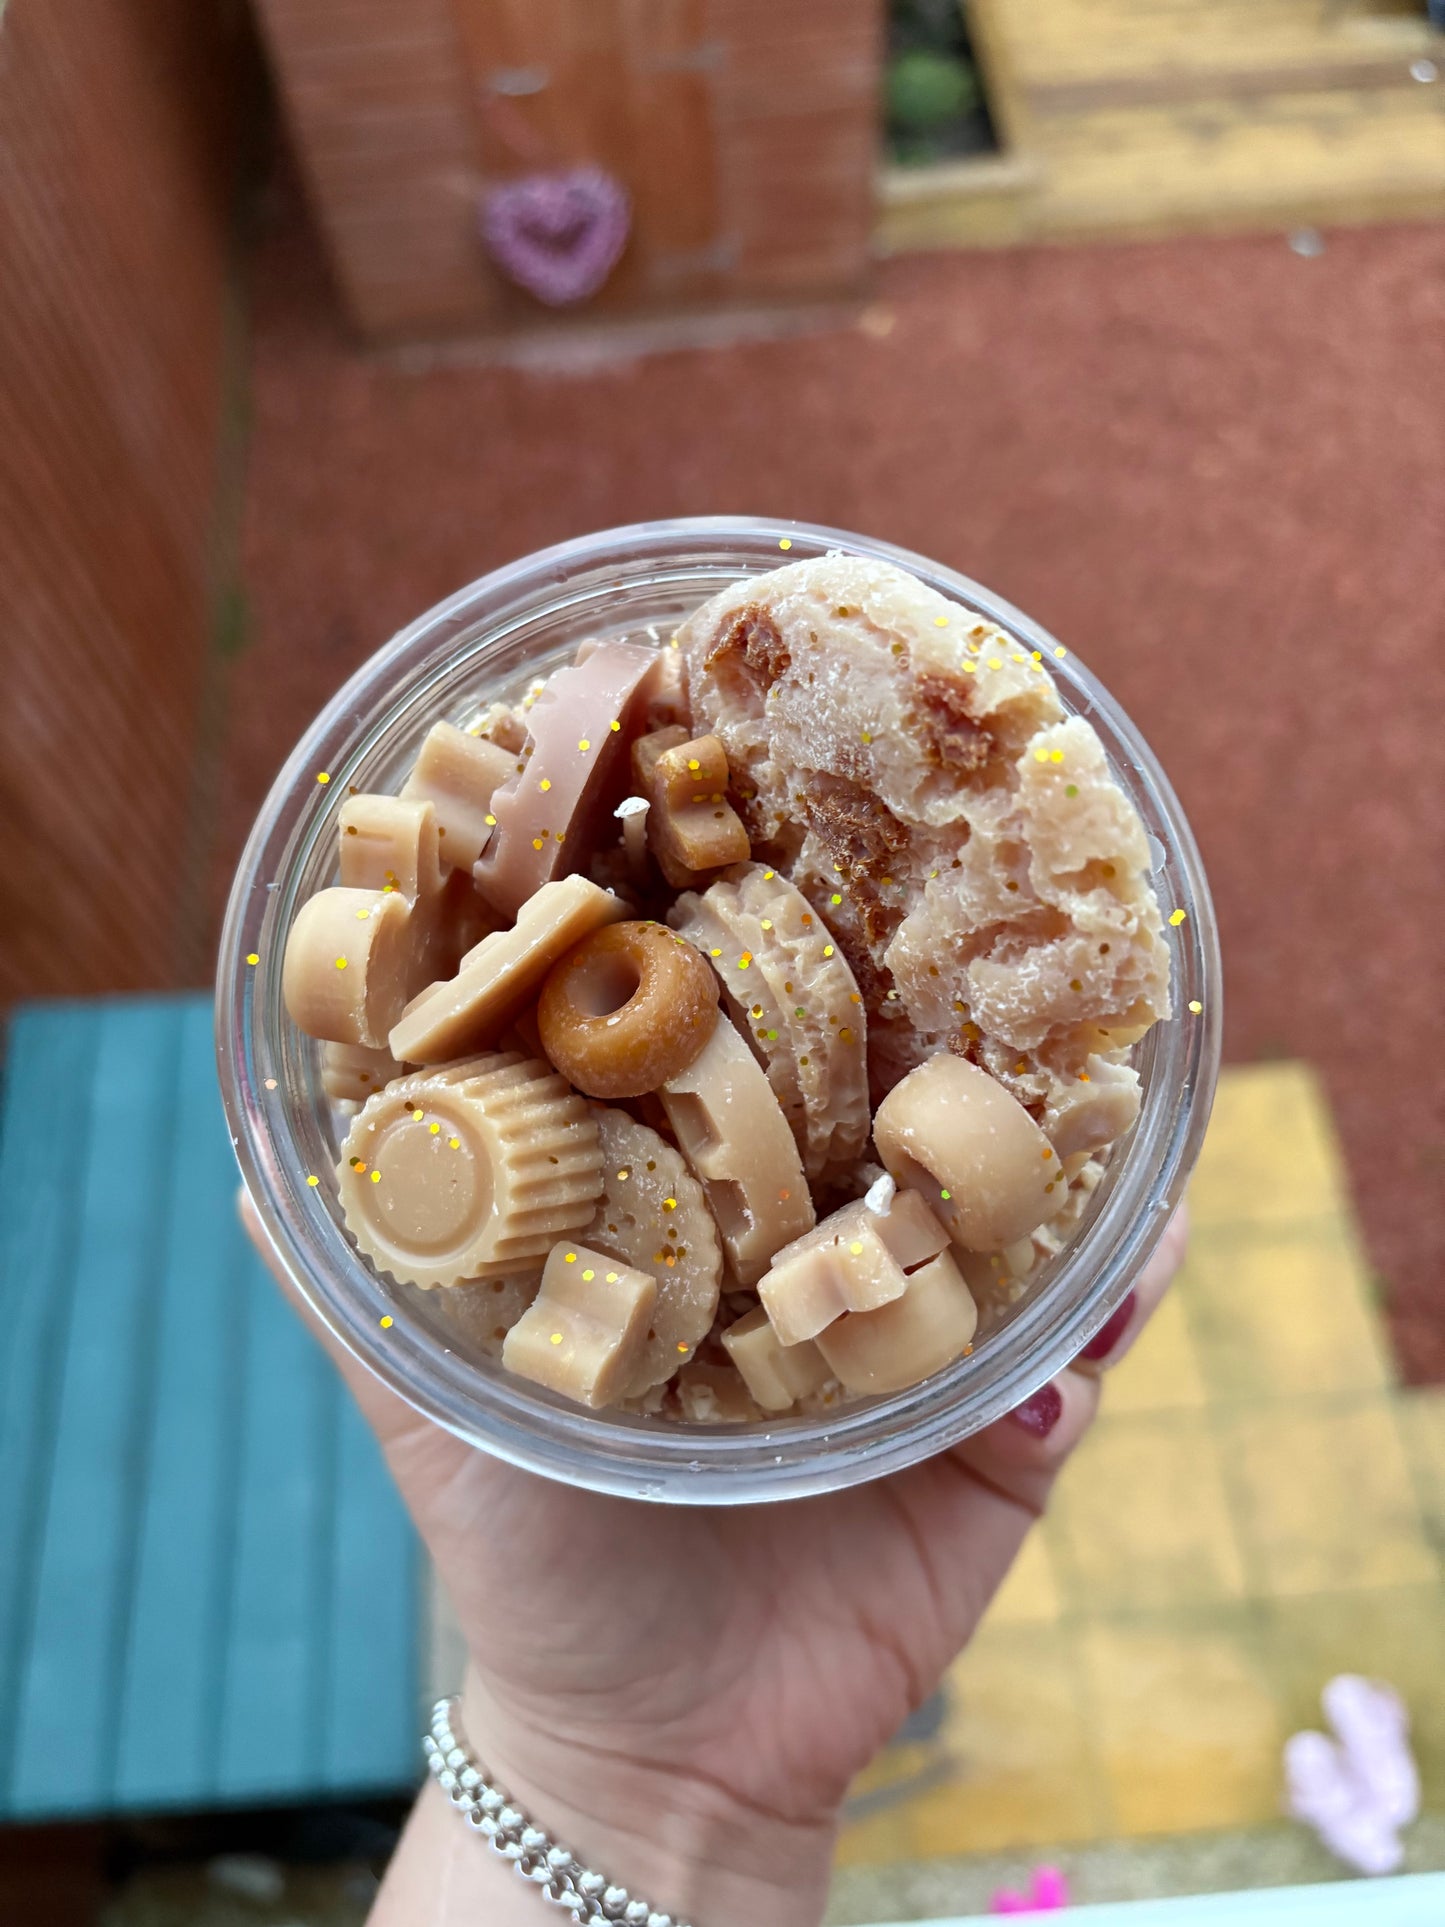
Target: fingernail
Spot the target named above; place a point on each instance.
(1040, 1414)
(1110, 1332)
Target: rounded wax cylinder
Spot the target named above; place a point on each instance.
(953, 1133)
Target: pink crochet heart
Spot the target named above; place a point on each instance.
(558, 235)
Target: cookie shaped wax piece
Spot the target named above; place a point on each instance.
(584, 1332)
(855, 1260)
(653, 1215)
(502, 974)
(794, 998)
(553, 812)
(954, 1134)
(736, 1139)
(468, 1172)
(458, 774)
(907, 1340)
(629, 1007)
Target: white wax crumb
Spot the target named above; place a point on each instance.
(879, 1196)
(632, 806)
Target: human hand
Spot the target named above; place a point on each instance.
(684, 1694)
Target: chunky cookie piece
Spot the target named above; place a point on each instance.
(909, 766)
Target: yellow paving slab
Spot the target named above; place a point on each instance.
(1283, 1312)
(1325, 1497)
(1260, 1507)
(1187, 1720)
(1143, 1520)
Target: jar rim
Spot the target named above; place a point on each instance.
(621, 1453)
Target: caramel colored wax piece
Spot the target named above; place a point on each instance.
(358, 951)
(585, 1331)
(631, 1006)
(734, 1135)
(795, 1000)
(502, 974)
(906, 1341)
(954, 1134)
(468, 1172)
(350, 1073)
(692, 829)
(348, 965)
(776, 1374)
(458, 774)
(855, 1260)
(653, 1215)
(552, 813)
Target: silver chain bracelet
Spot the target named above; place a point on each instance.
(590, 1897)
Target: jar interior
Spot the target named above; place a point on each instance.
(488, 661)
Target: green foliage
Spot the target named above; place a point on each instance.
(927, 90)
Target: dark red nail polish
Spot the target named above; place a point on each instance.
(1040, 1414)
(1110, 1332)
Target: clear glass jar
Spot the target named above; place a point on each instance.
(490, 641)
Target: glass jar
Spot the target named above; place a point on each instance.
(490, 641)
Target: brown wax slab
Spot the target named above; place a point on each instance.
(733, 1133)
(348, 958)
(502, 975)
(954, 1134)
(777, 1375)
(906, 1341)
(459, 774)
(552, 813)
(584, 1332)
(855, 1260)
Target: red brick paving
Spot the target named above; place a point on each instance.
(1214, 468)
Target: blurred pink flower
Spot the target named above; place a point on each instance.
(1048, 1894)
(1359, 1789)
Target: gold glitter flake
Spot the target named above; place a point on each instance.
(253, 958)
(313, 1180)
(1195, 1005)
(1176, 917)
(785, 543)
(322, 777)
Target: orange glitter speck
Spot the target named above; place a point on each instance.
(1047, 1155)
(745, 959)
(1083, 1077)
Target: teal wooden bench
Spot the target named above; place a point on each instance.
(208, 1586)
